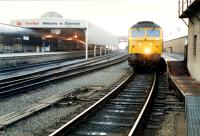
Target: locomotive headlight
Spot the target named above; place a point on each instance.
(147, 50)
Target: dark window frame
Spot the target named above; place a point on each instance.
(195, 45)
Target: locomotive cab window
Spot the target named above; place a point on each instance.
(138, 33)
(153, 33)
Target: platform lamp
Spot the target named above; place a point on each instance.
(24, 43)
(75, 37)
(56, 31)
(43, 43)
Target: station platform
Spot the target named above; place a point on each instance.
(28, 71)
(24, 70)
(190, 94)
(7, 55)
(15, 59)
(172, 56)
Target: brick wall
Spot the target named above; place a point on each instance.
(194, 59)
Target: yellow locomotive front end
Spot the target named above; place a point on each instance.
(145, 44)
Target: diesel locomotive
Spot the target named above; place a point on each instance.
(145, 45)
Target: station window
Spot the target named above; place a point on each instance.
(1, 40)
(7, 40)
(195, 45)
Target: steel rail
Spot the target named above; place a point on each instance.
(134, 128)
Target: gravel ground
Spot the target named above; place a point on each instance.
(106, 78)
(167, 126)
(173, 125)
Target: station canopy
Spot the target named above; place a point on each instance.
(52, 24)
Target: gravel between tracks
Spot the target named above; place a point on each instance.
(37, 123)
(174, 124)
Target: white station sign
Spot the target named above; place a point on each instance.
(50, 23)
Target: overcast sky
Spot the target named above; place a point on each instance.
(115, 16)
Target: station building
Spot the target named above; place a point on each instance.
(59, 34)
(190, 9)
(17, 39)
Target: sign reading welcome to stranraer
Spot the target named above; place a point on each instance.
(49, 24)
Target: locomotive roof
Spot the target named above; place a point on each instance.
(146, 24)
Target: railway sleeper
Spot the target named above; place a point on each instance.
(90, 133)
(157, 114)
(122, 107)
(133, 97)
(134, 94)
(108, 116)
(166, 93)
(158, 110)
(153, 127)
(99, 128)
(127, 103)
(159, 105)
(161, 97)
(128, 100)
(118, 111)
(156, 119)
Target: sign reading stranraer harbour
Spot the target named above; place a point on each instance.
(50, 20)
(41, 23)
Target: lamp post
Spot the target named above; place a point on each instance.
(43, 43)
(75, 37)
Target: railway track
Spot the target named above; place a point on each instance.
(24, 83)
(164, 104)
(10, 69)
(118, 113)
(52, 68)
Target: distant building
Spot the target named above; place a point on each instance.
(191, 9)
(177, 45)
(61, 34)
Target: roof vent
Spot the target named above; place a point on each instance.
(51, 14)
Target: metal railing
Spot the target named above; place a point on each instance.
(183, 5)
